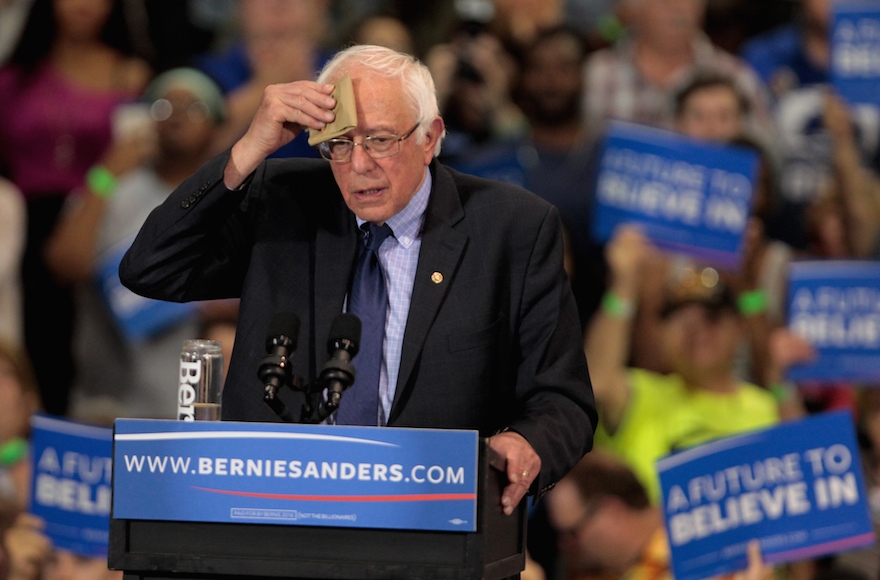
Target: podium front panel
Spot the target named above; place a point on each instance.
(149, 549)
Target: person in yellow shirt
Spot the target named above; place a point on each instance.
(646, 415)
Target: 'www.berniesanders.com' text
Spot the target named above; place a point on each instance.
(330, 470)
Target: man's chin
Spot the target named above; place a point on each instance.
(376, 215)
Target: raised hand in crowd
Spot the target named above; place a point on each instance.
(856, 189)
(607, 342)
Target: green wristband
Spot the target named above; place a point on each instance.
(617, 307)
(12, 451)
(101, 182)
(752, 303)
(781, 391)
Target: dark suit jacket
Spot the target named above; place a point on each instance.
(495, 345)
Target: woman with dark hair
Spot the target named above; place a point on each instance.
(70, 70)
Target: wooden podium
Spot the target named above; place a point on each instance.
(147, 550)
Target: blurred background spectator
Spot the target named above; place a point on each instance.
(635, 80)
(70, 69)
(711, 107)
(607, 528)
(474, 75)
(555, 157)
(796, 53)
(604, 523)
(646, 415)
(794, 60)
(280, 41)
(384, 30)
(135, 375)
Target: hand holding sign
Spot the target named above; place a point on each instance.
(27, 547)
(757, 569)
(627, 253)
(787, 349)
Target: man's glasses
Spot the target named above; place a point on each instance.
(377, 146)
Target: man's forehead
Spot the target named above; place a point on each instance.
(381, 104)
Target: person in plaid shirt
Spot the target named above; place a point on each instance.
(637, 78)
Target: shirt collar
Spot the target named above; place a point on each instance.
(407, 223)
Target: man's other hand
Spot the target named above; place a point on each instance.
(516, 458)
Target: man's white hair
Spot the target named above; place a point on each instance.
(415, 78)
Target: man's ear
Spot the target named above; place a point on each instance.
(432, 135)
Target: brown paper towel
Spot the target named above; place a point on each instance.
(346, 114)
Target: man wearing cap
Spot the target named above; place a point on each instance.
(647, 415)
(478, 329)
(119, 374)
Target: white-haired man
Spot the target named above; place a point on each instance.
(481, 330)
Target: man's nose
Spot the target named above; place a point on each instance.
(361, 162)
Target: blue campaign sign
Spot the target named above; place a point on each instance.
(835, 306)
(689, 196)
(137, 317)
(311, 475)
(71, 483)
(797, 488)
(855, 51)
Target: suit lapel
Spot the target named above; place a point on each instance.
(441, 252)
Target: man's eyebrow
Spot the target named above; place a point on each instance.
(383, 129)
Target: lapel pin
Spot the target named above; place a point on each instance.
(436, 277)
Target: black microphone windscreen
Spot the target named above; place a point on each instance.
(284, 324)
(345, 327)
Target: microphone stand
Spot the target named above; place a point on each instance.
(336, 376)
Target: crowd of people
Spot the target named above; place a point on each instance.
(107, 105)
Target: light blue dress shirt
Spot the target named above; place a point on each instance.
(399, 257)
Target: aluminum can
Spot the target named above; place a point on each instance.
(199, 394)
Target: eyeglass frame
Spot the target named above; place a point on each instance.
(324, 148)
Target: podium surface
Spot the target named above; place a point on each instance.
(159, 549)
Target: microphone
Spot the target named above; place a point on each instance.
(338, 373)
(274, 370)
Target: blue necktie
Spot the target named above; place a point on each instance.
(368, 300)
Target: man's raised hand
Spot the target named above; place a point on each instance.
(286, 109)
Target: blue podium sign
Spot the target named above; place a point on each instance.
(797, 488)
(689, 196)
(855, 51)
(835, 305)
(138, 318)
(290, 474)
(71, 483)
